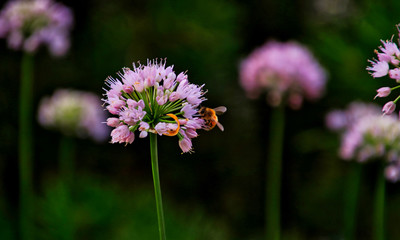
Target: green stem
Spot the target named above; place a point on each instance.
(274, 166)
(66, 168)
(351, 198)
(66, 158)
(157, 187)
(379, 211)
(393, 88)
(397, 99)
(25, 147)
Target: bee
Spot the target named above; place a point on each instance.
(209, 115)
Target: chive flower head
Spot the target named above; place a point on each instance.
(28, 24)
(153, 99)
(74, 113)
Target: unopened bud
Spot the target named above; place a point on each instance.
(389, 108)
(383, 92)
(395, 74)
(127, 88)
(113, 122)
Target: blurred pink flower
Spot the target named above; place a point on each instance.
(284, 71)
(392, 172)
(367, 135)
(74, 113)
(345, 119)
(29, 24)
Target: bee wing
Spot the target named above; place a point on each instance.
(220, 126)
(220, 110)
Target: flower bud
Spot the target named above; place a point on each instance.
(389, 108)
(127, 88)
(143, 134)
(112, 122)
(185, 144)
(383, 92)
(395, 74)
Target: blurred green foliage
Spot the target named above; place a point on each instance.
(217, 192)
(101, 210)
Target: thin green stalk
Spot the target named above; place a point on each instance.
(66, 168)
(379, 211)
(351, 198)
(274, 166)
(66, 158)
(397, 99)
(157, 187)
(25, 147)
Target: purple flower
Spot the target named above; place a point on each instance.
(113, 122)
(387, 63)
(286, 71)
(390, 52)
(367, 135)
(188, 111)
(185, 144)
(395, 74)
(143, 128)
(161, 128)
(122, 134)
(383, 92)
(389, 108)
(152, 99)
(29, 24)
(379, 69)
(336, 120)
(75, 113)
(392, 172)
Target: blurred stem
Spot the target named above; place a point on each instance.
(274, 166)
(157, 187)
(351, 198)
(66, 165)
(379, 211)
(25, 147)
(66, 158)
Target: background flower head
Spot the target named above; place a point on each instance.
(286, 71)
(368, 135)
(153, 99)
(75, 113)
(29, 24)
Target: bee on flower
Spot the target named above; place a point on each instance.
(210, 117)
(153, 99)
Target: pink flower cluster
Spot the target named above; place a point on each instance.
(153, 99)
(283, 70)
(28, 24)
(74, 113)
(388, 63)
(367, 135)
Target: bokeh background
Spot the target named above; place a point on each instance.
(217, 192)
